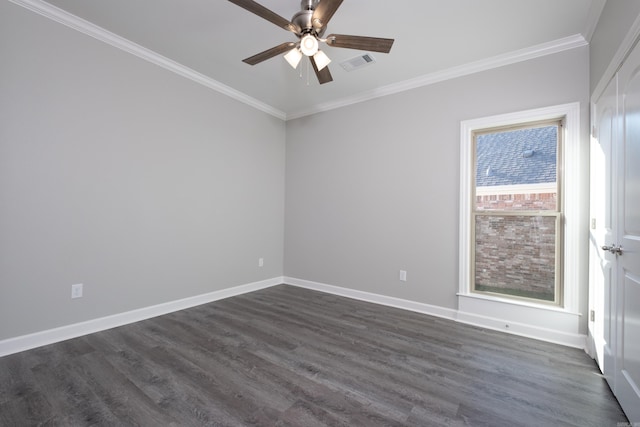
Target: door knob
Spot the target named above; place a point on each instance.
(613, 249)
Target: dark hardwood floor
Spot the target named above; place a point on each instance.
(286, 356)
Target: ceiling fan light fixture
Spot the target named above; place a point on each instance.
(309, 45)
(309, 25)
(293, 57)
(321, 59)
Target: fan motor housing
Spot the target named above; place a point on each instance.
(304, 18)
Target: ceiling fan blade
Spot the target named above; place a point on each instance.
(375, 44)
(323, 13)
(269, 53)
(267, 14)
(324, 75)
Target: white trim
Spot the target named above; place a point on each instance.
(432, 310)
(65, 18)
(491, 308)
(526, 54)
(61, 16)
(558, 334)
(572, 204)
(498, 190)
(26, 342)
(623, 51)
(558, 329)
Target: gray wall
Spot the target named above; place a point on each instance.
(117, 174)
(148, 188)
(373, 188)
(614, 24)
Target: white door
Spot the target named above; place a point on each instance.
(627, 381)
(601, 262)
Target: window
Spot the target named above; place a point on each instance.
(520, 198)
(516, 215)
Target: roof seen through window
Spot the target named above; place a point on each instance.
(523, 156)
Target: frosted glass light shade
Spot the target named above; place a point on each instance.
(309, 45)
(321, 59)
(293, 57)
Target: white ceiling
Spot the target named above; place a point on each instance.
(432, 38)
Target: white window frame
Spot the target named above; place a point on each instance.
(492, 306)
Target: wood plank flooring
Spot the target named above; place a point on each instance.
(286, 356)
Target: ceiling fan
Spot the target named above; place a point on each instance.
(309, 25)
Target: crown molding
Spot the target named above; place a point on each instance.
(556, 46)
(65, 18)
(56, 14)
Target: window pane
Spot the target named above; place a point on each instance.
(516, 255)
(516, 169)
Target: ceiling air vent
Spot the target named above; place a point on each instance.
(358, 62)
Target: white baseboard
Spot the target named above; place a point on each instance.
(432, 310)
(561, 337)
(551, 324)
(524, 330)
(26, 342)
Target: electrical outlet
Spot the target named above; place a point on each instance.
(403, 276)
(76, 291)
(260, 262)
